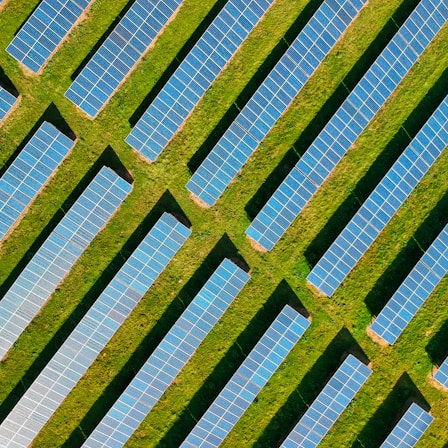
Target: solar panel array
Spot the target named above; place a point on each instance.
(93, 332)
(120, 52)
(382, 204)
(272, 98)
(329, 405)
(29, 172)
(169, 357)
(415, 289)
(248, 380)
(44, 31)
(194, 76)
(442, 374)
(7, 101)
(348, 123)
(54, 259)
(409, 429)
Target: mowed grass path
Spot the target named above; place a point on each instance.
(338, 324)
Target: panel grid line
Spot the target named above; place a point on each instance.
(7, 102)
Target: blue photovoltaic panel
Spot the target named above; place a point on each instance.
(45, 29)
(382, 204)
(442, 374)
(92, 334)
(195, 75)
(348, 123)
(29, 172)
(169, 358)
(329, 405)
(7, 101)
(119, 54)
(409, 429)
(272, 98)
(414, 290)
(54, 259)
(248, 380)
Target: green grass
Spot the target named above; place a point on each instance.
(338, 323)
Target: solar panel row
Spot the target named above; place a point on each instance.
(54, 259)
(413, 292)
(7, 101)
(44, 31)
(169, 358)
(408, 431)
(194, 76)
(442, 374)
(119, 54)
(348, 123)
(329, 405)
(93, 332)
(242, 389)
(29, 172)
(272, 98)
(382, 204)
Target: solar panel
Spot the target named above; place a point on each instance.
(248, 380)
(414, 290)
(93, 332)
(442, 374)
(44, 31)
(120, 53)
(169, 357)
(7, 101)
(54, 259)
(272, 98)
(409, 429)
(29, 172)
(195, 75)
(348, 123)
(329, 405)
(382, 204)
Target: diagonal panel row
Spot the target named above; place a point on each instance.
(54, 259)
(7, 102)
(441, 375)
(382, 204)
(169, 358)
(350, 120)
(272, 98)
(119, 54)
(93, 332)
(194, 76)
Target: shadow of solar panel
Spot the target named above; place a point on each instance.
(408, 431)
(242, 389)
(29, 172)
(442, 374)
(194, 76)
(170, 356)
(119, 54)
(54, 259)
(44, 31)
(93, 332)
(382, 204)
(329, 404)
(348, 123)
(7, 101)
(414, 291)
(272, 99)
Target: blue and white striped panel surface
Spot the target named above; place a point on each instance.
(44, 31)
(272, 98)
(441, 374)
(195, 75)
(95, 330)
(54, 259)
(29, 172)
(169, 358)
(413, 292)
(120, 53)
(7, 101)
(329, 405)
(242, 389)
(382, 204)
(354, 115)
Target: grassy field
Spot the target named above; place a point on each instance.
(338, 324)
